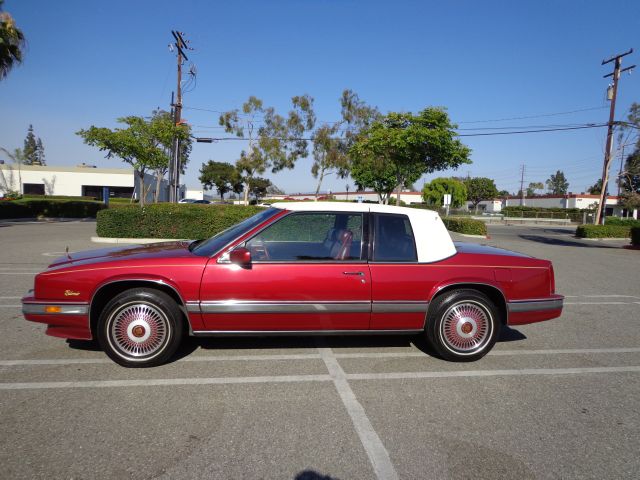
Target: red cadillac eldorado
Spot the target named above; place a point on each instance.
(320, 268)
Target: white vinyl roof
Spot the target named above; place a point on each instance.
(432, 238)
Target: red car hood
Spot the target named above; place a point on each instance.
(131, 252)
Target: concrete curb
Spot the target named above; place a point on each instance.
(469, 235)
(604, 239)
(133, 240)
(46, 220)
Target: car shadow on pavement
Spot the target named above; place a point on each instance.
(313, 475)
(561, 242)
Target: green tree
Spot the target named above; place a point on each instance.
(434, 191)
(557, 183)
(143, 144)
(9, 185)
(277, 143)
(503, 193)
(12, 43)
(596, 188)
(40, 157)
(533, 186)
(406, 146)
(329, 155)
(479, 189)
(223, 176)
(259, 187)
(630, 179)
(30, 148)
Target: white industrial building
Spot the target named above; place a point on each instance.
(83, 180)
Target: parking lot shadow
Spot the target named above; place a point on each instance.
(561, 242)
(313, 475)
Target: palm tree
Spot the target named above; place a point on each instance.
(11, 43)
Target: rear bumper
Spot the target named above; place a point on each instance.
(534, 310)
(63, 319)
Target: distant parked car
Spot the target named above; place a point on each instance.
(204, 202)
(323, 268)
(187, 200)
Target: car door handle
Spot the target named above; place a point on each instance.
(354, 273)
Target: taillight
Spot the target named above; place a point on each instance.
(552, 278)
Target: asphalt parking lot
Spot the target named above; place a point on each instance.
(553, 400)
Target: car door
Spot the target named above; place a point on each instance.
(308, 272)
(400, 285)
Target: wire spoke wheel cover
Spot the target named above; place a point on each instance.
(138, 330)
(466, 327)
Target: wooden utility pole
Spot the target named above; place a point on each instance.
(522, 169)
(609, 148)
(174, 163)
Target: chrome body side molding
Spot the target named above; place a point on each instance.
(232, 306)
(33, 308)
(270, 333)
(535, 305)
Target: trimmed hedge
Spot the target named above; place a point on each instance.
(635, 236)
(27, 208)
(468, 226)
(603, 231)
(30, 196)
(166, 220)
(627, 222)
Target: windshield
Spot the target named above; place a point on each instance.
(214, 244)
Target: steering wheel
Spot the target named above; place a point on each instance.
(258, 249)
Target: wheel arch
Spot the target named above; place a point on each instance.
(109, 289)
(495, 294)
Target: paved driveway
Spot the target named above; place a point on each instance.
(553, 400)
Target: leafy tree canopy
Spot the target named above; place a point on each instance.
(596, 188)
(143, 144)
(479, 189)
(533, 186)
(557, 183)
(12, 43)
(219, 175)
(434, 191)
(260, 187)
(406, 146)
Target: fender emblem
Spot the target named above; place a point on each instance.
(71, 293)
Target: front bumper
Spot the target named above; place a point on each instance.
(63, 319)
(534, 310)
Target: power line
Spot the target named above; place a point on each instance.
(536, 116)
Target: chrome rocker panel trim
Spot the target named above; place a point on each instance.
(232, 306)
(535, 305)
(270, 333)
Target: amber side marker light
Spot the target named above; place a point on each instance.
(52, 309)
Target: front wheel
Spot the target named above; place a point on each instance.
(462, 325)
(140, 328)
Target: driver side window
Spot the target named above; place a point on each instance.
(332, 237)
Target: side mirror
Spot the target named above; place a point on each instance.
(240, 256)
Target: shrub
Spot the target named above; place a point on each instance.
(468, 226)
(627, 222)
(603, 231)
(166, 220)
(27, 208)
(32, 196)
(635, 236)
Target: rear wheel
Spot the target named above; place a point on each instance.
(140, 328)
(462, 325)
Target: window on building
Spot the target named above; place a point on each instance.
(33, 188)
(95, 191)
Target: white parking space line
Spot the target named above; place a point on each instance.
(313, 356)
(165, 382)
(376, 451)
(491, 373)
(314, 378)
(602, 296)
(600, 303)
(19, 273)
(9, 298)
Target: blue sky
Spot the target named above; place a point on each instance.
(89, 62)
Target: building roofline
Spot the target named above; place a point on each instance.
(52, 168)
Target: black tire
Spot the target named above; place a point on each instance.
(462, 325)
(140, 328)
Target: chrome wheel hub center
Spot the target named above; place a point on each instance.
(138, 331)
(466, 327)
